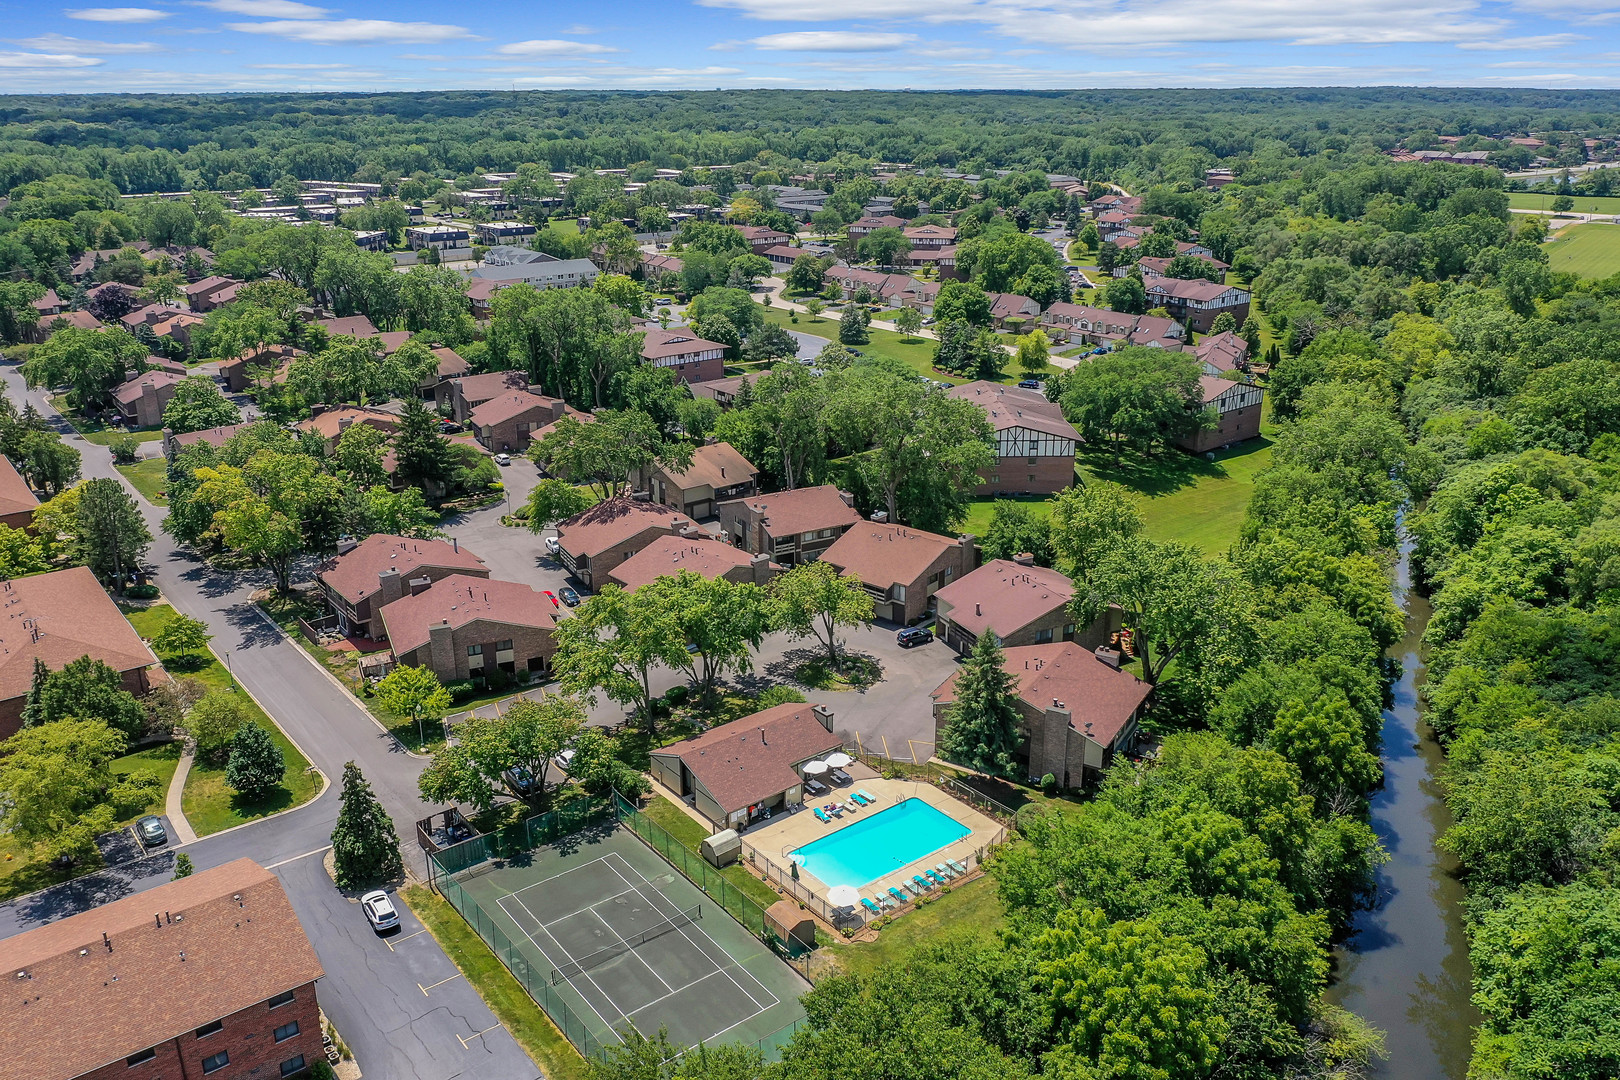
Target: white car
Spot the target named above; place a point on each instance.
(553, 546)
(503, 459)
(379, 911)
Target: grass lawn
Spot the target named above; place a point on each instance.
(1584, 204)
(691, 834)
(1592, 251)
(506, 998)
(106, 436)
(978, 519)
(916, 353)
(1182, 497)
(22, 871)
(969, 909)
(150, 477)
(210, 803)
(569, 226)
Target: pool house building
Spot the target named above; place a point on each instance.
(739, 772)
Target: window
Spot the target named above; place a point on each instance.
(995, 479)
(208, 1029)
(827, 532)
(286, 1031)
(216, 1062)
(1033, 460)
(475, 650)
(504, 646)
(141, 1058)
(900, 593)
(292, 1065)
(1068, 631)
(1043, 636)
(1031, 478)
(285, 998)
(809, 536)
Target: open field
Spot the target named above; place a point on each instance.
(210, 803)
(1584, 204)
(1185, 498)
(1592, 251)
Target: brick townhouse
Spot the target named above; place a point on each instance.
(210, 975)
(57, 618)
(1078, 709)
(380, 569)
(463, 627)
(592, 543)
(1020, 603)
(1197, 302)
(717, 473)
(140, 401)
(461, 396)
(791, 527)
(689, 357)
(694, 552)
(17, 500)
(1035, 445)
(508, 422)
(1237, 408)
(902, 568)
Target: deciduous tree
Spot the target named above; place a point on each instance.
(813, 600)
(60, 790)
(504, 754)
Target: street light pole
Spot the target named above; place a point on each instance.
(228, 669)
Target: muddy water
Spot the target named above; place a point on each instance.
(1405, 965)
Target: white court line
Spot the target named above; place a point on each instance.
(514, 896)
(576, 911)
(628, 948)
(726, 967)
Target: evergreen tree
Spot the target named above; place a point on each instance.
(981, 729)
(1250, 333)
(256, 765)
(424, 456)
(365, 848)
(852, 326)
(111, 528)
(33, 713)
(182, 866)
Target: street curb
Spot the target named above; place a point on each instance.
(333, 679)
(268, 817)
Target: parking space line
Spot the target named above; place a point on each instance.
(466, 1043)
(441, 982)
(390, 942)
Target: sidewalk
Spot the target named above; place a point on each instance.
(172, 804)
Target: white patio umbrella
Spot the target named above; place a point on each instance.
(839, 760)
(814, 768)
(843, 896)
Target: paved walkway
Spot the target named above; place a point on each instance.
(172, 803)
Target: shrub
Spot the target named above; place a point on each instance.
(1049, 785)
(256, 763)
(677, 695)
(141, 592)
(776, 695)
(461, 691)
(124, 449)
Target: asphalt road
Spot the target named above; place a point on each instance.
(371, 992)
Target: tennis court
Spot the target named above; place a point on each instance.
(625, 941)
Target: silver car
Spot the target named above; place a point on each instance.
(379, 911)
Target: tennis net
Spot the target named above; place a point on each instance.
(619, 948)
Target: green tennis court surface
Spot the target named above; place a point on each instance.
(624, 940)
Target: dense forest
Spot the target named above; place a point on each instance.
(1431, 373)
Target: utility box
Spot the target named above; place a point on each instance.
(722, 848)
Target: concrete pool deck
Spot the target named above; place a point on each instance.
(774, 839)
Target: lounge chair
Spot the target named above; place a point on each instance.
(850, 806)
(900, 898)
(958, 867)
(944, 872)
(855, 796)
(867, 795)
(821, 815)
(922, 886)
(869, 906)
(931, 876)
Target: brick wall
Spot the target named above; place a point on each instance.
(248, 1037)
(1011, 476)
(601, 564)
(452, 664)
(1235, 426)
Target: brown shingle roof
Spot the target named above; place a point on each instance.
(81, 319)
(330, 424)
(658, 344)
(1004, 596)
(669, 555)
(882, 555)
(752, 759)
(458, 600)
(614, 521)
(128, 393)
(59, 617)
(208, 286)
(1093, 693)
(214, 436)
(717, 465)
(508, 405)
(801, 510)
(83, 1005)
(1016, 407)
(1187, 288)
(353, 575)
(353, 326)
(451, 364)
(483, 387)
(1224, 351)
(16, 497)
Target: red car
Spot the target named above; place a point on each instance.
(553, 599)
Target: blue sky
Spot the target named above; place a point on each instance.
(203, 45)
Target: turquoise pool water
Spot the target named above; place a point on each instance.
(880, 843)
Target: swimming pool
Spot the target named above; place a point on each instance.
(880, 843)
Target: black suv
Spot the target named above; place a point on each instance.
(913, 635)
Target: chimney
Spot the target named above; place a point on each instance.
(849, 500)
(345, 423)
(1024, 558)
(558, 407)
(823, 714)
(441, 648)
(389, 589)
(1108, 656)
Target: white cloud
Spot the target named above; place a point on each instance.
(831, 41)
(266, 9)
(549, 47)
(1525, 44)
(64, 44)
(357, 31)
(118, 14)
(46, 60)
(578, 29)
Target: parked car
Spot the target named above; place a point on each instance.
(552, 545)
(565, 759)
(1030, 384)
(379, 911)
(549, 595)
(150, 830)
(448, 427)
(521, 781)
(503, 459)
(913, 635)
(569, 596)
